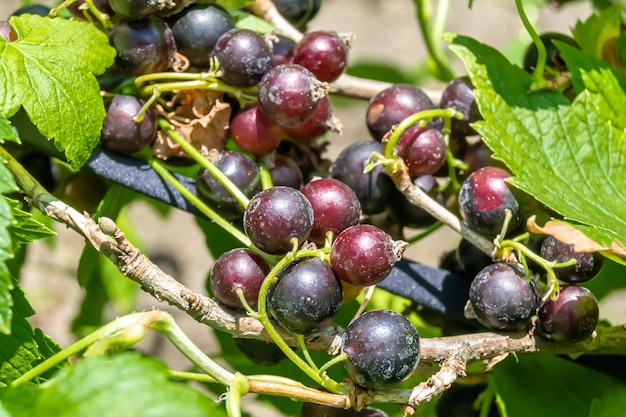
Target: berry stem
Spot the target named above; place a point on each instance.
(199, 204)
(539, 82)
(264, 174)
(205, 163)
(440, 66)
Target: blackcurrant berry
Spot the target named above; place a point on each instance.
(277, 215)
(306, 296)
(553, 55)
(286, 172)
(382, 349)
(571, 317)
(588, 264)
(483, 199)
(298, 12)
(254, 133)
(289, 94)
(423, 150)
(324, 53)
(244, 57)
(392, 105)
(363, 255)
(501, 298)
(410, 215)
(319, 123)
(459, 95)
(120, 133)
(238, 269)
(335, 207)
(134, 9)
(282, 51)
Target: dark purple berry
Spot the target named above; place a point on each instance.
(553, 55)
(238, 269)
(306, 296)
(143, 46)
(483, 199)
(459, 95)
(286, 172)
(276, 216)
(382, 349)
(588, 264)
(374, 189)
(392, 105)
(241, 170)
(324, 53)
(335, 207)
(282, 51)
(244, 57)
(289, 94)
(120, 133)
(501, 298)
(363, 255)
(298, 12)
(571, 317)
(319, 123)
(197, 29)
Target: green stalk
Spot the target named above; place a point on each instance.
(432, 37)
(264, 173)
(540, 67)
(205, 163)
(199, 204)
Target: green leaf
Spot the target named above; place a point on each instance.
(49, 70)
(24, 228)
(24, 348)
(567, 155)
(542, 385)
(7, 132)
(233, 4)
(244, 20)
(612, 403)
(127, 384)
(592, 34)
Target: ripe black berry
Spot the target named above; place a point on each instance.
(275, 216)
(244, 57)
(588, 264)
(289, 94)
(501, 299)
(120, 133)
(571, 317)
(306, 296)
(382, 347)
(286, 172)
(238, 269)
(459, 95)
(483, 199)
(553, 55)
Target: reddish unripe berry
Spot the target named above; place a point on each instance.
(318, 124)
(254, 133)
(363, 255)
(335, 207)
(324, 53)
(423, 150)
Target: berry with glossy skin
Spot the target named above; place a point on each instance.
(335, 207)
(363, 255)
(254, 133)
(459, 95)
(571, 317)
(197, 29)
(289, 94)
(319, 123)
(382, 349)
(244, 57)
(374, 189)
(553, 55)
(238, 268)
(298, 12)
(286, 172)
(306, 296)
(143, 46)
(324, 53)
(483, 199)
(392, 105)
(283, 50)
(120, 133)
(423, 150)
(260, 352)
(241, 170)
(588, 264)
(275, 216)
(501, 299)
